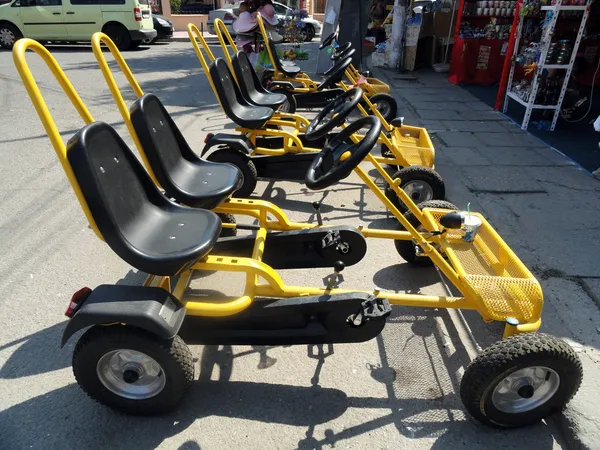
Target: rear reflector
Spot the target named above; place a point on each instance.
(76, 301)
(138, 14)
(208, 137)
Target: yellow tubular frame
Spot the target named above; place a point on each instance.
(269, 217)
(21, 46)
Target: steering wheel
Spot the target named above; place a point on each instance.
(336, 73)
(339, 53)
(327, 41)
(345, 54)
(334, 114)
(340, 155)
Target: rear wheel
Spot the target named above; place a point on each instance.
(290, 105)
(386, 104)
(521, 380)
(308, 33)
(227, 218)
(420, 183)
(242, 162)
(407, 249)
(131, 370)
(9, 34)
(119, 35)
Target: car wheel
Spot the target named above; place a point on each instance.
(308, 33)
(119, 35)
(9, 34)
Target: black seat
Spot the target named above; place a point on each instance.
(184, 177)
(397, 122)
(232, 101)
(249, 84)
(290, 71)
(135, 219)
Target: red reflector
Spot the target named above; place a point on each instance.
(77, 300)
(138, 14)
(208, 137)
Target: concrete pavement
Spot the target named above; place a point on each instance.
(543, 205)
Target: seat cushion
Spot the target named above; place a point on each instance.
(205, 184)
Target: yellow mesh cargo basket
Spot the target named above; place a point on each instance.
(501, 284)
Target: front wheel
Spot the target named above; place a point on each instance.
(421, 183)
(521, 380)
(408, 249)
(308, 33)
(227, 218)
(9, 34)
(131, 370)
(386, 105)
(242, 162)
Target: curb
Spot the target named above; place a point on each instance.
(210, 40)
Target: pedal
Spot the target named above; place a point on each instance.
(332, 280)
(330, 239)
(372, 308)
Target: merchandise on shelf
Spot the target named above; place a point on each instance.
(496, 8)
(492, 30)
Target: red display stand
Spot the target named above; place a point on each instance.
(477, 61)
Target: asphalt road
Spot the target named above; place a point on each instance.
(397, 391)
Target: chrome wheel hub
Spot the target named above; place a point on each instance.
(7, 37)
(418, 191)
(131, 374)
(383, 108)
(525, 389)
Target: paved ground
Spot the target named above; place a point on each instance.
(397, 391)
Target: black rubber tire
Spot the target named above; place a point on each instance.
(417, 173)
(292, 105)
(227, 218)
(310, 33)
(406, 249)
(514, 353)
(119, 35)
(173, 355)
(10, 28)
(392, 110)
(242, 162)
(134, 45)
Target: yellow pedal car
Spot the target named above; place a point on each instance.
(134, 356)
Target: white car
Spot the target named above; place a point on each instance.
(228, 15)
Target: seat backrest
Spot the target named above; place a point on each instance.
(164, 145)
(245, 74)
(229, 94)
(274, 53)
(117, 189)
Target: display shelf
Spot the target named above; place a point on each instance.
(545, 44)
(518, 99)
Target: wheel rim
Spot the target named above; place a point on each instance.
(7, 37)
(383, 108)
(419, 191)
(131, 374)
(285, 107)
(525, 389)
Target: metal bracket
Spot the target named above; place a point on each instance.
(372, 308)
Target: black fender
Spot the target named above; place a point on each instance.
(150, 308)
(234, 141)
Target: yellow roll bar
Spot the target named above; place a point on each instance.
(41, 108)
(221, 30)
